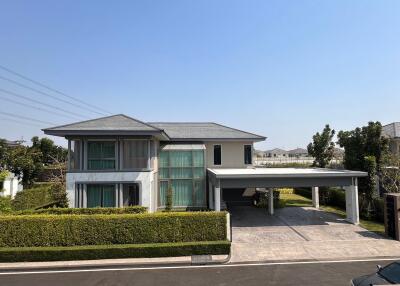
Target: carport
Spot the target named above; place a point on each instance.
(222, 178)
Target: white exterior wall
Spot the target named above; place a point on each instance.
(147, 194)
(232, 154)
(11, 186)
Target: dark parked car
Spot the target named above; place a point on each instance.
(389, 274)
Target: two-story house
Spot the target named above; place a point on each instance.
(120, 161)
(392, 131)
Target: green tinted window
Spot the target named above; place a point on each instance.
(101, 155)
(100, 196)
(184, 171)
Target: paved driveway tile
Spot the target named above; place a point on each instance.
(295, 233)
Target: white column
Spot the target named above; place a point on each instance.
(217, 197)
(121, 199)
(271, 201)
(116, 191)
(210, 195)
(315, 197)
(84, 196)
(352, 210)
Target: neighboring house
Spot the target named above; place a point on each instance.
(298, 153)
(12, 184)
(276, 153)
(392, 131)
(120, 161)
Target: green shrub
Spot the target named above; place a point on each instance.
(5, 205)
(32, 198)
(59, 194)
(70, 230)
(169, 199)
(305, 192)
(335, 197)
(87, 211)
(18, 254)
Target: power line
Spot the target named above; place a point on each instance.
(20, 122)
(26, 118)
(48, 95)
(41, 103)
(52, 89)
(34, 107)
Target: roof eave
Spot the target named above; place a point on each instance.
(219, 139)
(63, 133)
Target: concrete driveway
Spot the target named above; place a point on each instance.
(302, 233)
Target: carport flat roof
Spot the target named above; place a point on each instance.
(221, 173)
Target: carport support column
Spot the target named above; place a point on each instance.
(315, 197)
(271, 201)
(352, 210)
(217, 197)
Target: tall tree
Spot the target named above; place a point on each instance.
(390, 173)
(364, 148)
(361, 143)
(51, 153)
(25, 163)
(322, 148)
(3, 153)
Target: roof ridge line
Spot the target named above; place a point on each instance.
(240, 130)
(84, 121)
(105, 117)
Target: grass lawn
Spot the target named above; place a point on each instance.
(294, 200)
(370, 225)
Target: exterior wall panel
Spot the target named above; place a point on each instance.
(232, 154)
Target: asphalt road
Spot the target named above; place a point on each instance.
(293, 274)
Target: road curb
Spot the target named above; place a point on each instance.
(119, 263)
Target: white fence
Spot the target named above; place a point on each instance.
(288, 160)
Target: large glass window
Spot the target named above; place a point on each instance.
(135, 154)
(217, 155)
(75, 155)
(101, 155)
(100, 196)
(184, 172)
(247, 154)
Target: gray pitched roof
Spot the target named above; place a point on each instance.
(115, 124)
(392, 130)
(178, 131)
(186, 131)
(277, 151)
(298, 151)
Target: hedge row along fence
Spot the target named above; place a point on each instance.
(79, 211)
(73, 230)
(18, 254)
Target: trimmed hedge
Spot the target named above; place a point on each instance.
(18, 254)
(327, 196)
(38, 195)
(71, 230)
(88, 211)
(337, 197)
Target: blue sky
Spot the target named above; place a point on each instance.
(282, 69)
